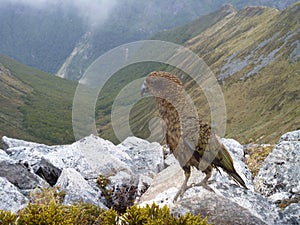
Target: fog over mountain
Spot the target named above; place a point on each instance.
(45, 34)
(91, 11)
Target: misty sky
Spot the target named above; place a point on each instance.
(93, 11)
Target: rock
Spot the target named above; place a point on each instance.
(280, 172)
(279, 177)
(133, 165)
(228, 204)
(130, 166)
(145, 159)
(4, 156)
(171, 177)
(90, 156)
(77, 188)
(290, 136)
(238, 204)
(20, 176)
(170, 160)
(11, 198)
(217, 209)
(11, 143)
(292, 214)
(48, 171)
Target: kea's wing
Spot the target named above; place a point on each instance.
(206, 154)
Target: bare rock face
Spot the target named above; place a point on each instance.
(134, 166)
(77, 188)
(280, 172)
(218, 209)
(75, 168)
(20, 176)
(11, 197)
(229, 203)
(279, 177)
(290, 136)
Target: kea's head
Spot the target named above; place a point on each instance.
(162, 85)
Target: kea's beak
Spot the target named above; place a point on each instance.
(144, 89)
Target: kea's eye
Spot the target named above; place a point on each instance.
(151, 82)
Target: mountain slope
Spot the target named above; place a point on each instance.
(34, 105)
(253, 52)
(41, 38)
(44, 35)
(255, 56)
(136, 20)
(186, 32)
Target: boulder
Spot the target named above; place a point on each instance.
(129, 167)
(11, 198)
(12, 143)
(145, 159)
(292, 214)
(228, 204)
(90, 156)
(279, 176)
(228, 200)
(77, 188)
(290, 136)
(20, 176)
(48, 171)
(218, 209)
(4, 156)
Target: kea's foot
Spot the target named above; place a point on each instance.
(204, 183)
(183, 187)
(182, 190)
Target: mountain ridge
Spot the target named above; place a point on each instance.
(260, 59)
(254, 56)
(44, 35)
(34, 105)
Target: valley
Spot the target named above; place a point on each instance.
(253, 52)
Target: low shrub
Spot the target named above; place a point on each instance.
(52, 211)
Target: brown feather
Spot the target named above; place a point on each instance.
(190, 140)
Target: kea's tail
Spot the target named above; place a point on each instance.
(224, 160)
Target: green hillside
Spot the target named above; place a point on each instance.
(34, 105)
(185, 32)
(254, 53)
(256, 58)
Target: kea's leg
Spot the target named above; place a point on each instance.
(183, 188)
(204, 182)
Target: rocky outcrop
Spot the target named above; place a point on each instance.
(228, 204)
(279, 177)
(20, 176)
(77, 188)
(11, 198)
(74, 168)
(92, 168)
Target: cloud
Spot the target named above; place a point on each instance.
(92, 11)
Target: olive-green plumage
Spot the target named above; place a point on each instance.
(190, 140)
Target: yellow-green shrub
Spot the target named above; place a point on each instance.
(7, 217)
(158, 216)
(47, 208)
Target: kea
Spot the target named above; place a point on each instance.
(192, 142)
